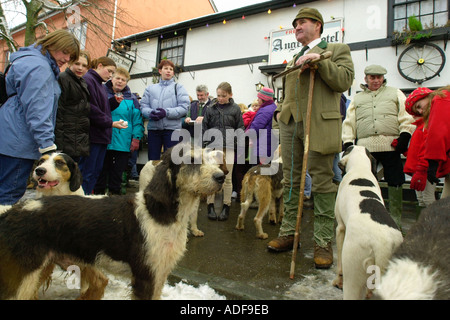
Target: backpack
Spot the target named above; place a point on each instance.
(3, 95)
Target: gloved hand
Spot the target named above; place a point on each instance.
(432, 170)
(401, 143)
(161, 113)
(158, 114)
(134, 145)
(346, 145)
(419, 179)
(154, 116)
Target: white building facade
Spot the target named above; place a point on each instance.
(248, 46)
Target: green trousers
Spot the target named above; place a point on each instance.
(320, 167)
(323, 215)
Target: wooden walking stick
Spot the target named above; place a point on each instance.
(313, 67)
(323, 56)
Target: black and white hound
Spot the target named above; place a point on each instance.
(147, 231)
(366, 234)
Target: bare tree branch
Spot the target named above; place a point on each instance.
(98, 13)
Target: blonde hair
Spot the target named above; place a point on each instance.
(243, 107)
(124, 72)
(60, 40)
(441, 93)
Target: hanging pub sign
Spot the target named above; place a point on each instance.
(284, 45)
(120, 60)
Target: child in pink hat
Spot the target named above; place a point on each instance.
(262, 125)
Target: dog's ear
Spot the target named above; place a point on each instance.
(76, 178)
(342, 163)
(161, 192)
(216, 157)
(373, 163)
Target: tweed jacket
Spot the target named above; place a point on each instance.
(333, 76)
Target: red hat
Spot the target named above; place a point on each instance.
(415, 96)
(266, 94)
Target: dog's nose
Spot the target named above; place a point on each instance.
(40, 171)
(219, 177)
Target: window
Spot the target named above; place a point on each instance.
(173, 49)
(432, 13)
(79, 31)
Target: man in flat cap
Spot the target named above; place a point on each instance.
(377, 119)
(333, 76)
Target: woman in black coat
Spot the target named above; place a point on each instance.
(72, 119)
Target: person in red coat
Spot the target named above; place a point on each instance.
(435, 109)
(416, 165)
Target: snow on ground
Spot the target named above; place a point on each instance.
(118, 288)
(317, 286)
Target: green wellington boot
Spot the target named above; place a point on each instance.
(324, 229)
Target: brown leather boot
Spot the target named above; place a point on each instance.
(323, 257)
(281, 244)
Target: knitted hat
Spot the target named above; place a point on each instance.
(309, 13)
(415, 96)
(265, 94)
(375, 70)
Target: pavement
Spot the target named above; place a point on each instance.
(239, 266)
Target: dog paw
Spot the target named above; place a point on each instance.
(338, 282)
(239, 227)
(262, 236)
(197, 233)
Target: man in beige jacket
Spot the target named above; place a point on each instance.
(333, 76)
(377, 119)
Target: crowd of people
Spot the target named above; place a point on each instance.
(89, 112)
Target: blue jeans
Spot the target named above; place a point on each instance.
(337, 171)
(158, 139)
(92, 166)
(308, 185)
(132, 164)
(14, 173)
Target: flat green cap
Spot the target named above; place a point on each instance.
(309, 13)
(375, 70)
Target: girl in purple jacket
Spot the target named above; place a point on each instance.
(261, 149)
(100, 132)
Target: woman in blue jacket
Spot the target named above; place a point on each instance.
(28, 116)
(164, 104)
(124, 106)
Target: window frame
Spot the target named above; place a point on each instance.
(391, 14)
(166, 37)
(80, 32)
